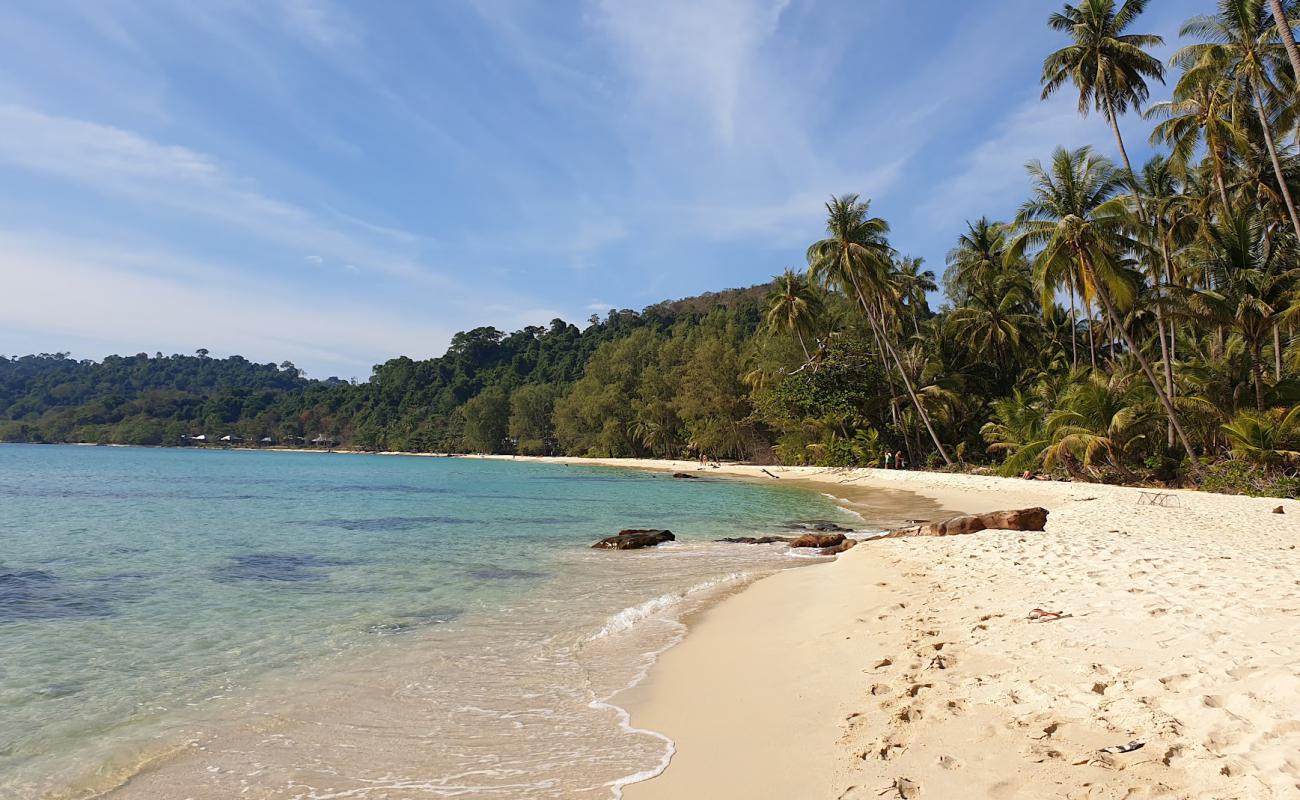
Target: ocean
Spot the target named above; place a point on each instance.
(217, 624)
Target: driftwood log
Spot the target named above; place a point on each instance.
(1024, 519)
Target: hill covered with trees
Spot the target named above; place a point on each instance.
(1129, 322)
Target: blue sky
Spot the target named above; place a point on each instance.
(338, 183)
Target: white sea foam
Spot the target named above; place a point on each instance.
(628, 617)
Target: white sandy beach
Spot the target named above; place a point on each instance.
(907, 668)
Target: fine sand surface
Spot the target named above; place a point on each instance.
(907, 668)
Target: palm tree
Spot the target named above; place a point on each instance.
(911, 283)
(1080, 226)
(1101, 417)
(1238, 48)
(856, 257)
(1201, 110)
(1284, 32)
(1266, 439)
(1108, 67)
(792, 307)
(1252, 288)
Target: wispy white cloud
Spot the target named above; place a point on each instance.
(319, 22)
(125, 164)
(58, 290)
(701, 53)
(991, 180)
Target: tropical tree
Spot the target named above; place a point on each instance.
(1267, 439)
(1285, 33)
(792, 307)
(1080, 228)
(911, 284)
(1201, 110)
(1100, 419)
(1252, 289)
(1239, 47)
(1109, 67)
(856, 257)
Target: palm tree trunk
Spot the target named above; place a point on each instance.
(1092, 336)
(1074, 327)
(881, 337)
(920, 409)
(1123, 154)
(1104, 296)
(1257, 374)
(1217, 159)
(1277, 352)
(1288, 39)
(1164, 346)
(802, 346)
(1272, 154)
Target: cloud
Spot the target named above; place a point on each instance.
(314, 260)
(174, 178)
(685, 50)
(57, 291)
(991, 178)
(318, 22)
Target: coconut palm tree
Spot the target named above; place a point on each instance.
(1109, 67)
(1267, 439)
(793, 306)
(1239, 47)
(1100, 418)
(1080, 226)
(911, 283)
(1285, 33)
(856, 257)
(1252, 288)
(1201, 111)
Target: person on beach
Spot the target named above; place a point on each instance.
(889, 459)
(899, 461)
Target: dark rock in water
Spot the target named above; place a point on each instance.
(34, 594)
(847, 544)
(757, 539)
(635, 538)
(277, 567)
(817, 526)
(818, 540)
(503, 574)
(685, 476)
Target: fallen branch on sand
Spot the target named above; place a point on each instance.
(1024, 519)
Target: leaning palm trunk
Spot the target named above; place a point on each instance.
(907, 383)
(1284, 31)
(1142, 218)
(1104, 295)
(1277, 352)
(1277, 165)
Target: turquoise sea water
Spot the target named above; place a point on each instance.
(312, 625)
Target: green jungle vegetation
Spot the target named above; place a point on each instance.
(1129, 323)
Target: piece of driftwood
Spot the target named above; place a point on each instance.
(1024, 519)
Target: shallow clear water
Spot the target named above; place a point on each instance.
(309, 625)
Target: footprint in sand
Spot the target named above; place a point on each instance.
(948, 762)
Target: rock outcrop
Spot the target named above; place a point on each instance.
(685, 476)
(757, 539)
(1024, 519)
(634, 539)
